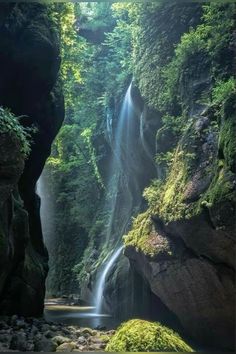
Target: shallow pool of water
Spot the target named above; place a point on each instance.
(79, 316)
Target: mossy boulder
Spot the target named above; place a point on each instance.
(143, 336)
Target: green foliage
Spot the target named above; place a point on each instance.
(162, 59)
(162, 83)
(170, 131)
(143, 336)
(227, 141)
(9, 124)
(159, 69)
(220, 189)
(87, 136)
(190, 46)
(73, 172)
(222, 90)
(139, 234)
(118, 60)
(63, 15)
(154, 49)
(167, 158)
(218, 22)
(167, 198)
(95, 16)
(95, 76)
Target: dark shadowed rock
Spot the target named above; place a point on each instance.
(18, 342)
(29, 65)
(44, 344)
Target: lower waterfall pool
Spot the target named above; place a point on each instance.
(83, 316)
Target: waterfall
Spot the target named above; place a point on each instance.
(125, 183)
(47, 214)
(118, 177)
(109, 126)
(44, 209)
(102, 278)
(120, 149)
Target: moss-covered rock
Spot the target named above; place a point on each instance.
(191, 204)
(143, 336)
(144, 236)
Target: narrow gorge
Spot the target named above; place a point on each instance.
(117, 176)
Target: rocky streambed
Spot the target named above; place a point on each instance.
(31, 334)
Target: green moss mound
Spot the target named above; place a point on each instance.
(144, 336)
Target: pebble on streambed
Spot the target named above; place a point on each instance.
(31, 334)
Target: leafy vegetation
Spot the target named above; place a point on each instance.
(209, 41)
(143, 336)
(94, 74)
(9, 124)
(185, 73)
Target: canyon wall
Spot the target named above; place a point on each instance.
(29, 65)
(184, 243)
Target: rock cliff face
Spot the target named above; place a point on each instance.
(184, 244)
(29, 64)
(197, 280)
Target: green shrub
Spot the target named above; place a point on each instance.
(143, 336)
(9, 124)
(223, 90)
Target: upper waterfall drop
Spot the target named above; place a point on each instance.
(123, 127)
(117, 168)
(118, 177)
(126, 181)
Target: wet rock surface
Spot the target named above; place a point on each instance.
(31, 334)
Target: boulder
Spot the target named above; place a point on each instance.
(45, 345)
(60, 340)
(19, 342)
(66, 347)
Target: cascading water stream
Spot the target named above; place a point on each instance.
(122, 200)
(124, 171)
(120, 149)
(121, 152)
(46, 209)
(101, 282)
(126, 180)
